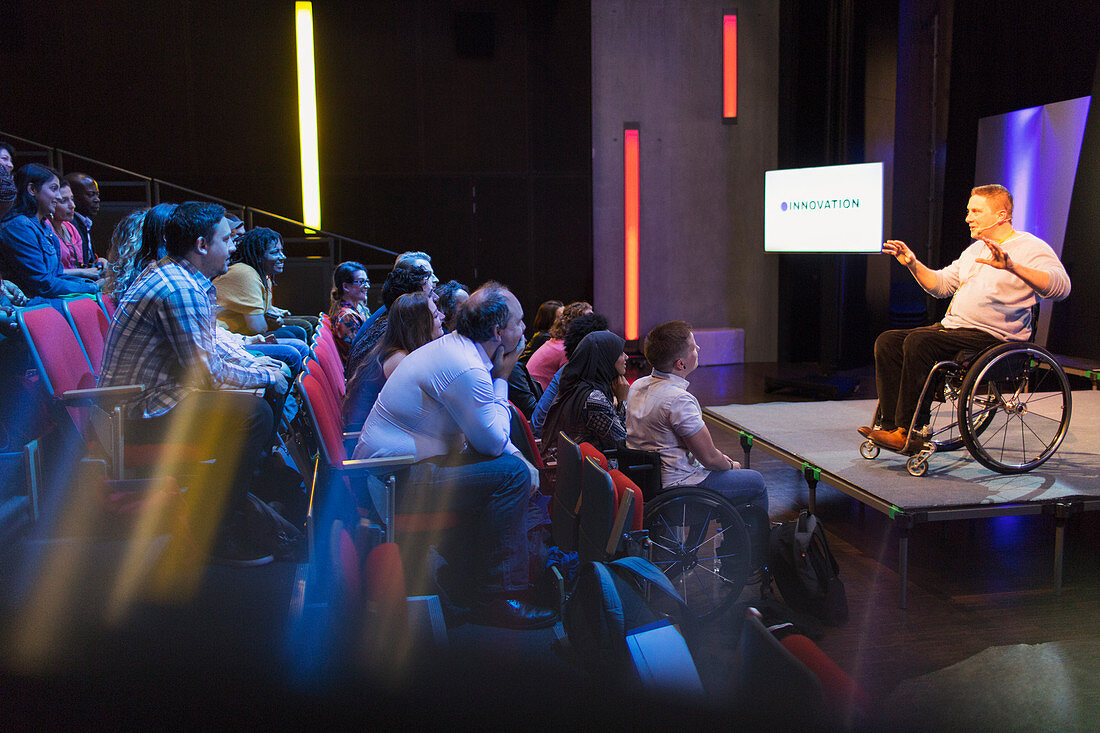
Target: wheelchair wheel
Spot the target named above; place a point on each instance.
(700, 543)
(1014, 408)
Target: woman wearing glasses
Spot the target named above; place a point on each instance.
(349, 304)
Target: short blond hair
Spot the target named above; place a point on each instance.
(997, 195)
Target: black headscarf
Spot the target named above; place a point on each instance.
(592, 367)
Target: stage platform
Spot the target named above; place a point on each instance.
(820, 438)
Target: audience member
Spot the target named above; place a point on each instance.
(350, 286)
(163, 337)
(550, 357)
(523, 391)
(72, 247)
(417, 260)
(7, 191)
(28, 246)
(590, 404)
(414, 321)
(449, 296)
(580, 327)
(124, 260)
(236, 226)
(401, 280)
(662, 416)
(7, 157)
(405, 260)
(86, 197)
(449, 393)
(545, 316)
(244, 291)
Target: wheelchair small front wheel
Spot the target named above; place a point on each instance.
(868, 449)
(917, 466)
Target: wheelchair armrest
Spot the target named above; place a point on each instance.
(104, 397)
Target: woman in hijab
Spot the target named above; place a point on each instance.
(591, 396)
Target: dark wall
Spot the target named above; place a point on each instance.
(1074, 327)
(459, 128)
(822, 311)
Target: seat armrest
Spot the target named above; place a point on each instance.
(358, 465)
(102, 396)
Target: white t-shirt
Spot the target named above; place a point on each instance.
(660, 413)
(996, 301)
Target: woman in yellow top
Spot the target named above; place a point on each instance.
(244, 292)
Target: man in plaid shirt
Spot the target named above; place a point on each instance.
(163, 337)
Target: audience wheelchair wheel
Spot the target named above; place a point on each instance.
(699, 541)
(1014, 408)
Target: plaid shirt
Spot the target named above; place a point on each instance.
(163, 336)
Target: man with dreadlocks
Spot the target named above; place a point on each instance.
(244, 292)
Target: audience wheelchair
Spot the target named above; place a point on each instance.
(1009, 405)
(695, 536)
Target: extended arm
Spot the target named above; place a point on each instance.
(1049, 280)
(923, 274)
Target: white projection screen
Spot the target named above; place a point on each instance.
(828, 209)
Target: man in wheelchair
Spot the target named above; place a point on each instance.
(993, 284)
(662, 416)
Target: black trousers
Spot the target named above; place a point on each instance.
(903, 359)
(234, 429)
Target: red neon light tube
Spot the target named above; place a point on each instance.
(729, 67)
(631, 208)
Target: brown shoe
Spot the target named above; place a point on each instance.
(865, 431)
(895, 440)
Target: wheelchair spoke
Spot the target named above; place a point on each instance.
(669, 550)
(713, 538)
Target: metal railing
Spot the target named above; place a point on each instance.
(295, 233)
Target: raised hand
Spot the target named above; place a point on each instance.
(899, 250)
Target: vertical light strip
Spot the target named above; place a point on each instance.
(631, 208)
(729, 67)
(307, 116)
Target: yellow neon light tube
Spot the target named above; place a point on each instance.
(307, 116)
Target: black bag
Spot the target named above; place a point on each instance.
(610, 600)
(267, 530)
(806, 571)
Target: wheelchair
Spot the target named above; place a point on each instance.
(696, 537)
(1008, 405)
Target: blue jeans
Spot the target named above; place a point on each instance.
(492, 495)
(744, 488)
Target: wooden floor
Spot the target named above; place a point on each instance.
(973, 584)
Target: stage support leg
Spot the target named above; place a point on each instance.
(904, 525)
(746, 446)
(1061, 516)
(812, 474)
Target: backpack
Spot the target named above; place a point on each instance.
(806, 571)
(609, 602)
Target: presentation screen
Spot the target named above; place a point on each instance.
(833, 208)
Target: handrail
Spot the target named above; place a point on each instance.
(153, 193)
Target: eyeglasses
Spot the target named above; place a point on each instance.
(361, 282)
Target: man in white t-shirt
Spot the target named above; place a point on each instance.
(661, 415)
(993, 285)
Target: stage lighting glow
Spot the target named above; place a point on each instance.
(729, 67)
(632, 206)
(307, 116)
